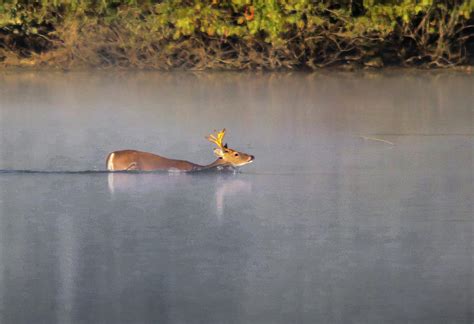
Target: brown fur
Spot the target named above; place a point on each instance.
(144, 161)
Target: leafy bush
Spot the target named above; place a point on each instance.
(235, 34)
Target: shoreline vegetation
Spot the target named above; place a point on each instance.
(236, 34)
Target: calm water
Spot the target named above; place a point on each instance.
(358, 208)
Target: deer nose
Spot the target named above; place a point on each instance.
(252, 157)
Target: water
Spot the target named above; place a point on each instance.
(358, 208)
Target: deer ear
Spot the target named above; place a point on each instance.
(225, 145)
(218, 152)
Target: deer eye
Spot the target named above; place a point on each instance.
(236, 154)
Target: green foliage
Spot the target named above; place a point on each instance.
(307, 33)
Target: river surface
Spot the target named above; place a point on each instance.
(357, 209)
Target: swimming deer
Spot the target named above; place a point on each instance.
(129, 160)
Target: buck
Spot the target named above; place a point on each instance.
(128, 160)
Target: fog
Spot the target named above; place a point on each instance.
(358, 207)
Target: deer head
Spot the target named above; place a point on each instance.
(229, 156)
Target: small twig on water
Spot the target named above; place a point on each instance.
(376, 139)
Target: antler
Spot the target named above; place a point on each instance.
(217, 139)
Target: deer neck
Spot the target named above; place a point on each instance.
(216, 163)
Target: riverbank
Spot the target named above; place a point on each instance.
(236, 35)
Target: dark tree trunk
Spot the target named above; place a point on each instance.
(357, 8)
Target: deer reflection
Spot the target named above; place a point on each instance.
(227, 189)
(225, 185)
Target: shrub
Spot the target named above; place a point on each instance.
(235, 34)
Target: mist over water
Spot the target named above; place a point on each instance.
(357, 209)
